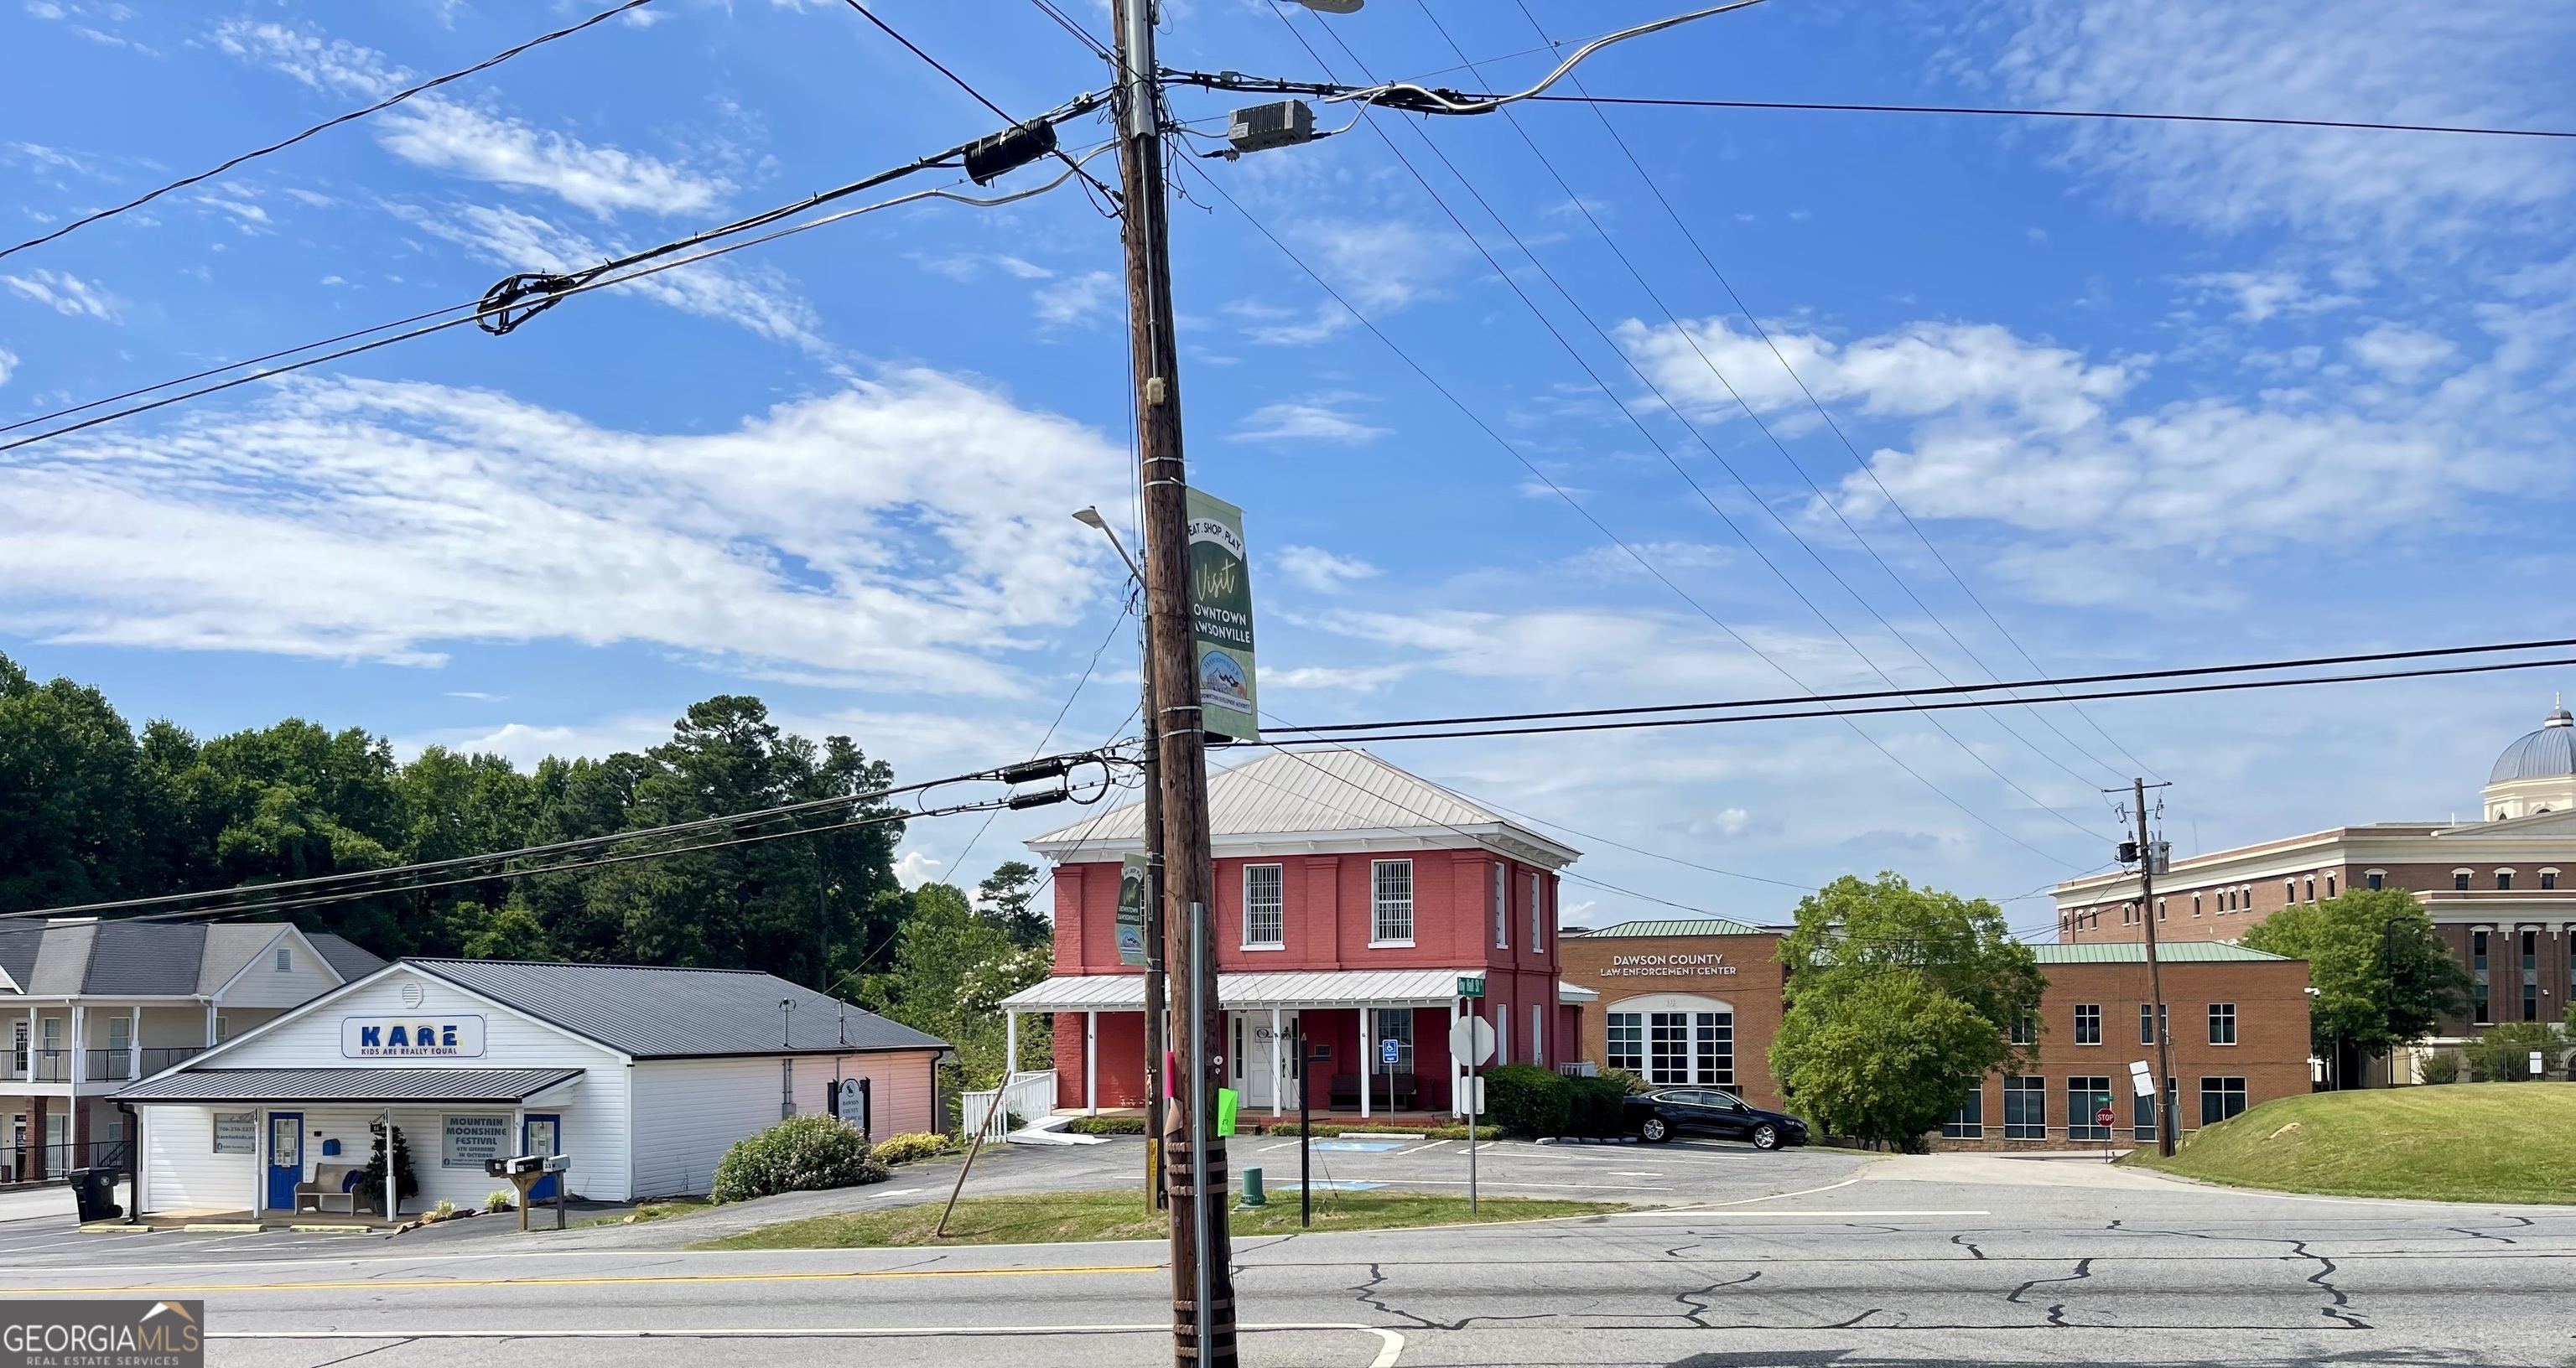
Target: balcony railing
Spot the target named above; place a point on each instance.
(28, 1163)
(159, 1057)
(107, 1066)
(97, 1066)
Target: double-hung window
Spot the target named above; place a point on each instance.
(2147, 1021)
(1502, 887)
(2025, 1031)
(2222, 1023)
(2088, 1023)
(2085, 1099)
(1538, 923)
(1390, 902)
(2220, 1098)
(1264, 919)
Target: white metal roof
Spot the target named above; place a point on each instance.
(1318, 799)
(1319, 988)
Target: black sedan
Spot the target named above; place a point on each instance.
(1659, 1116)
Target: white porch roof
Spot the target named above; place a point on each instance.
(1326, 988)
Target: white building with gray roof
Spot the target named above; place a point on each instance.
(643, 1077)
(88, 1007)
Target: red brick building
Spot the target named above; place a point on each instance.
(1697, 1002)
(1352, 898)
(2500, 888)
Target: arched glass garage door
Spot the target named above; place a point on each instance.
(1674, 1039)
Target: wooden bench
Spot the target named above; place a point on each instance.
(328, 1191)
(1346, 1090)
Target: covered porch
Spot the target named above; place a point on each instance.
(1376, 1041)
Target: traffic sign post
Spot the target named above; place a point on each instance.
(2103, 1117)
(1471, 1042)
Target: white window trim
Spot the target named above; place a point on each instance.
(1374, 942)
(1502, 887)
(1248, 942)
(1538, 912)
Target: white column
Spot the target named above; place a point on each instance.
(72, 1007)
(1010, 1047)
(134, 1045)
(1091, 1063)
(1368, 1057)
(1278, 1076)
(393, 1176)
(1457, 1092)
(210, 1023)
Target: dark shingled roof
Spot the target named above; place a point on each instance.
(145, 959)
(18, 952)
(653, 1013)
(348, 1085)
(344, 956)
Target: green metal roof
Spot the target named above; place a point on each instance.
(2135, 952)
(1679, 926)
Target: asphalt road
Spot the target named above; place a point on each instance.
(1807, 1258)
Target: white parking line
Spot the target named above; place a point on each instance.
(1390, 1342)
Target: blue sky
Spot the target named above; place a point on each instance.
(2155, 394)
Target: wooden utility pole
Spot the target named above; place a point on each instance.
(1202, 1256)
(2167, 1116)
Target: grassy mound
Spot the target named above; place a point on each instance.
(1064, 1217)
(2463, 1142)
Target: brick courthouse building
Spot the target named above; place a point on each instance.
(1697, 1002)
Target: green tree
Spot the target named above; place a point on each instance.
(2503, 1053)
(951, 971)
(2382, 978)
(83, 816)
(1005, 895)
(1899, 1001)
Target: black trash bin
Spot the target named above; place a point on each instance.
(95, 1190)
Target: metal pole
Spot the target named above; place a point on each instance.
(1305, 1136)
(1198, 1122)
(2155, 977)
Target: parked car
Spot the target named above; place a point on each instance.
(1656, 1117)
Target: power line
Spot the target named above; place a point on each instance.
(1536, 473)
(1098, 48)
(384, 104)
(484, 308)
(1836, 427)
(1768, 434)
(1550, 326)
(2122, 677)
(2111, 114)
(365, 883)
(1115, 623)
(960, 82)
(1914, 707)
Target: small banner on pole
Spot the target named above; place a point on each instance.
(1221, 618)
(1135, 886)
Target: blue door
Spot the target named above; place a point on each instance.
(285, 1158)
(539, 1134)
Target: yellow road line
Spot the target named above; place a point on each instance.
(158, 1288)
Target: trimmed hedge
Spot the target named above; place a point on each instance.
(1106, 1125)
(1526, 1100)
(912, 1147)
(799, 1154)
(1596, 1108)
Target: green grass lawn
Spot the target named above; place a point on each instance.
(2457, 1142)
(652, 1211)
(1060, 1217)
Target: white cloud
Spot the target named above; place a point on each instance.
(8, 364)
(1380, 267)
(2399, 352)
(2035, 436)
(908, 532)
(1368, 679)
(1306, 422)
(2261, 295)
(446, 135)
(460, 140)
(1321, 570)
(758, 298)
(66, 294)
(917, 867)
(1075, 300)
(2380, 60)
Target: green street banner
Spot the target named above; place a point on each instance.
(1135, 885)
(1221, 618)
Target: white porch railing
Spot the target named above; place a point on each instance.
(1029, 1096)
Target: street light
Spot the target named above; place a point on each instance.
(1090, 517)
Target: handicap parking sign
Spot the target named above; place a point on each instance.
(1386, 1052)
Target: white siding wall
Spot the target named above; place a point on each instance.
(260, 985)
(688, 1112)
(182, 1172)
(595, 1131)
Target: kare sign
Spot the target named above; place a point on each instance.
(411, 1037)
(1221, 618)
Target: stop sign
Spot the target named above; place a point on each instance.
(2104, 1116)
